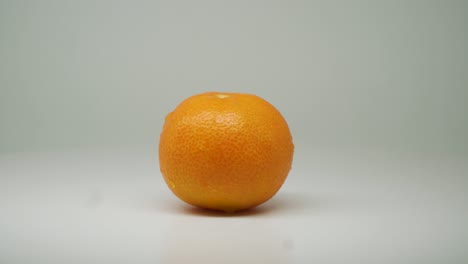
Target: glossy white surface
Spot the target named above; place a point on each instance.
(112, 206)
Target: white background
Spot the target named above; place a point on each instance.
(374, 92)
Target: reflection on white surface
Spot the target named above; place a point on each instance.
(202, 240)
(252, 236)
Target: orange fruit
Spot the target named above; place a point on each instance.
(225, 151)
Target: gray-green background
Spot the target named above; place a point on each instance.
(391, 75)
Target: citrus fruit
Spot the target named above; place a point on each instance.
(225, 151)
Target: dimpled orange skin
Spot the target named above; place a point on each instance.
(225, 151)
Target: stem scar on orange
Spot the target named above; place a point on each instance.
(225, 151)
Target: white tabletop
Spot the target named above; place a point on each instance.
(112, 206)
